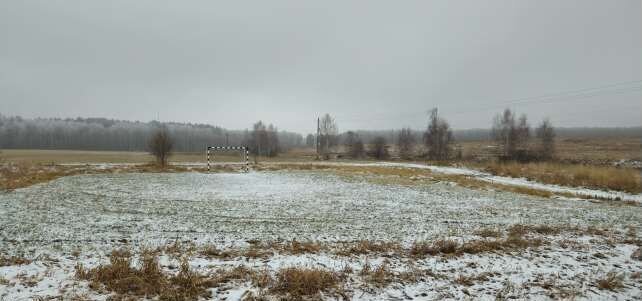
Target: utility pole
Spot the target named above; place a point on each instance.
(318, 136)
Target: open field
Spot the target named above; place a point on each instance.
(79, 156)
(603, 151)
(99, 225)
(594, 163)
(243, 235)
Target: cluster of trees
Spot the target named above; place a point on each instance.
(438, 140)
(263, 140)
(513, 136)
(121, 135)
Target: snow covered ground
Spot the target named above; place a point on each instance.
(82, 218)
(484, 176)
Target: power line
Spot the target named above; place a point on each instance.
(553, 100)
(563, 96)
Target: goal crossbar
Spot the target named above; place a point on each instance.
(242, 149)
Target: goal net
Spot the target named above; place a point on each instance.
(243, 150)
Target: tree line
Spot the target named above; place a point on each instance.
(514, 138)
(121, 135)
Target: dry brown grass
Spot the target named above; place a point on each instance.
(13, 260)
(263, 250)
(297, 283)
(473, 183)
(611, 281)
(82, 156)
(441, 246)
(19, 175)
(367, 247)
(514, 241)
(599, 177)
(350, 170)
(147, 280)
(637, 254)
(296, 247)
(380, 276)
(591, 151)
(260, 279)
(488, 232)
(13, 176)
(471, 279)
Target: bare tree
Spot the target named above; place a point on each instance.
(503, 132)
(438, 138)
(264, 140)
(545, 133)
(406, 143)
(511, 136)
(257, 139)
(309, 140)
(378, 148)
(354, 145)
(273, 141)
(522, 134)
(160, 145)
(328, 135)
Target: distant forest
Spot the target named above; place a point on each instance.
(119, 135)
(485, 134)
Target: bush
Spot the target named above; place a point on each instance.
(379, 149)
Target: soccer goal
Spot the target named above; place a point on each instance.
(243, 150)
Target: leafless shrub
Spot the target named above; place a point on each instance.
(379, 149)
(546, 136)
(406, 143)
(354, 145)
(160, 146)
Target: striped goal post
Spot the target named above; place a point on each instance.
(243, 149)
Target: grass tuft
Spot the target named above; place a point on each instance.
(146, 280)
(363, 247)
(297, 282)
(611, 281)
(13, 260)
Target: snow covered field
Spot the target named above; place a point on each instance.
(82, 218)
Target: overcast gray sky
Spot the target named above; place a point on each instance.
(372, 64)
